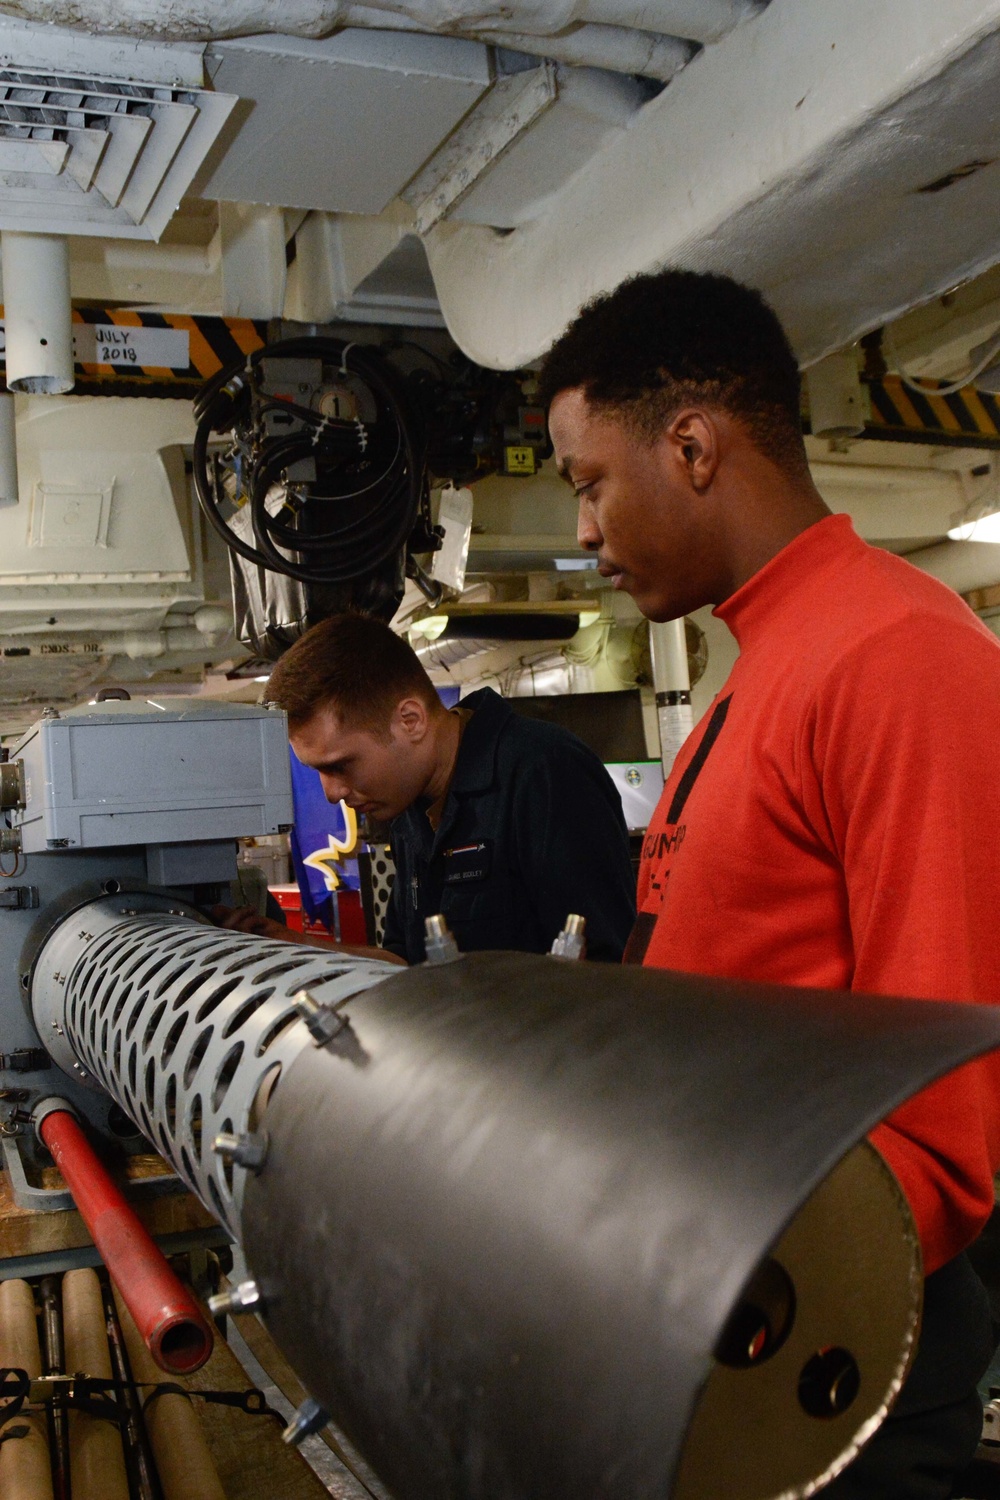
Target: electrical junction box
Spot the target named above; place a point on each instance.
(153, 771)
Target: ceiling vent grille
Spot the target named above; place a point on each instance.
(88, 155)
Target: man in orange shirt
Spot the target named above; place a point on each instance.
(831, 821)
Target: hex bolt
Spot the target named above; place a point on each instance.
(248, 1150)
(572, 941)
(240, 1298)
(439, 943)
(323, 1023)
(309, 1418)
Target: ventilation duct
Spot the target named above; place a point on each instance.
(85, 154)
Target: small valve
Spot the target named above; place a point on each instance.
(439, 943)
(572, 941)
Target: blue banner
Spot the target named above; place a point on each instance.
(324, 837)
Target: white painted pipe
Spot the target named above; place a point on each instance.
(38, 318)
(672, 683)
(203, 20)
(612, 47)
(836, 405)
(617, 49)
(8, 452)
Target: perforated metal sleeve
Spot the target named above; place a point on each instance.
(187, 1026)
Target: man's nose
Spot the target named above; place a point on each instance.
(588, 533)
(334, 789)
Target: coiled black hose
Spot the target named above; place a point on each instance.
(363, 506)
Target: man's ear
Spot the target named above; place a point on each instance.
(410, 720)
(693, 441)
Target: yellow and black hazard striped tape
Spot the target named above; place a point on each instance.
(967, 419)
(119, 352)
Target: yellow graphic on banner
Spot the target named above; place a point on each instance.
(326, 860)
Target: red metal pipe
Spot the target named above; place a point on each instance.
(165, 1313)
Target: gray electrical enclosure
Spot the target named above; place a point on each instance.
(155, 771)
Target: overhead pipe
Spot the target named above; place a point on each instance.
(38, 316)
(617, 49)
(640, 203)
(8, 451)
(614, 48)
(169, 1319)
(196, 20)
(672, 683)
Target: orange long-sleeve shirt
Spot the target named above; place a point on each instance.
(834, 820)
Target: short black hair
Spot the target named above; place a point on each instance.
(353, 664)
(661, 340)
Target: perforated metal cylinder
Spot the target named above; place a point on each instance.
(187, 1026)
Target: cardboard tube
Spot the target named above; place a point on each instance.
(183, 1460)
(97, 1463)
(25, 1472)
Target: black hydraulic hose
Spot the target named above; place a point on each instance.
(372, 520)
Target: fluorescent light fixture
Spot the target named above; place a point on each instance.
(983, 529)
(266, 678)
(574, 564)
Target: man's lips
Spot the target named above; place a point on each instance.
(612, 571)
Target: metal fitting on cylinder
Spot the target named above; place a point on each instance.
(439, 943)
(309, 1418)
(13, 791)
(46, 1107)
(240, 1298)
(10, 840)
(572, 941)
(248, 1150)
(322, 1023)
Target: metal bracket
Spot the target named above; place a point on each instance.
(50, 1200)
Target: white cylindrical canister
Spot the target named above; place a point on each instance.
(38, 319)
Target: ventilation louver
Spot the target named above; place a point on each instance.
(88, 155)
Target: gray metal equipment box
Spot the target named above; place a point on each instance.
(153, 771)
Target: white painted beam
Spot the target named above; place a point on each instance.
(253, 261)
(791, 155)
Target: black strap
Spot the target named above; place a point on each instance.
(252, 1401)
(698, 759)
